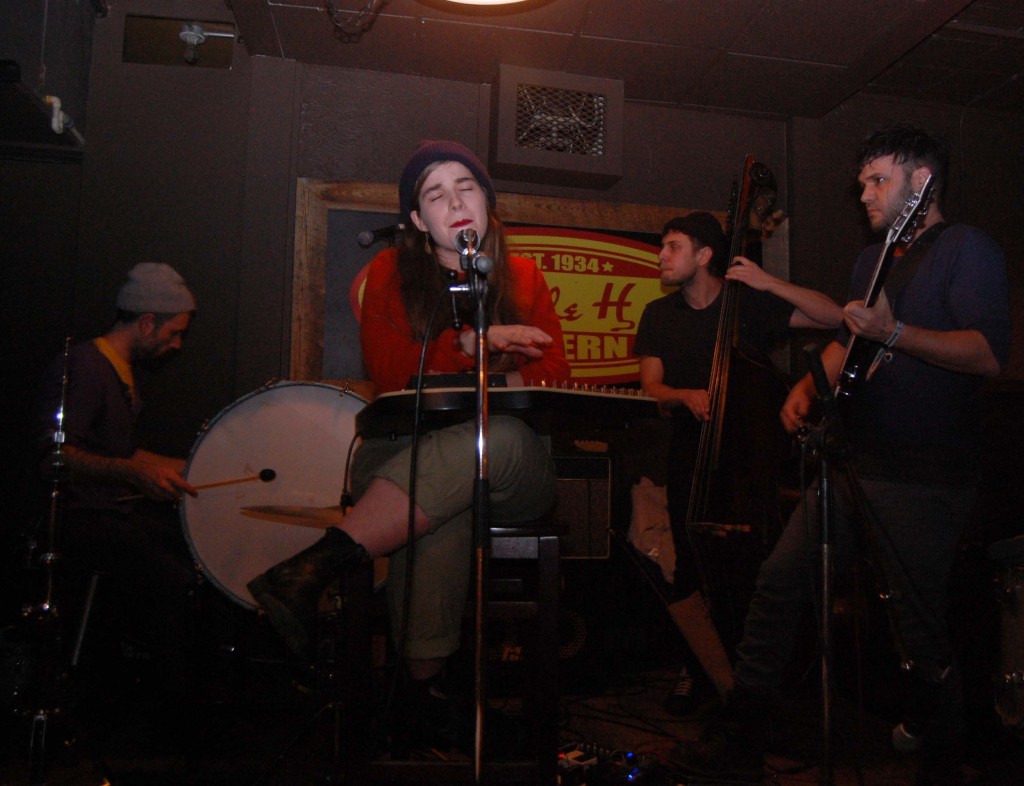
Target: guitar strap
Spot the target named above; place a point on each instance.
(909, 261)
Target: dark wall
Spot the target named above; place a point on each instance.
(38, 245)
(362, 125)
(165, 178)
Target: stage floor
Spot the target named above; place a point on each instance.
(255, 724)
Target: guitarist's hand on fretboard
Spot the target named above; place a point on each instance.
(874, 323)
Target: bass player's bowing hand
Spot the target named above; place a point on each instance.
(750, 273)
(695, 400)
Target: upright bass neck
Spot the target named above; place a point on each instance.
(753, 192)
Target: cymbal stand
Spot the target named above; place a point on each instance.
(44, 615)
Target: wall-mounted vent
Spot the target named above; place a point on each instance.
(560, 120)
(552, 126)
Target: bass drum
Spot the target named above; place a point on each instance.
(286, 444)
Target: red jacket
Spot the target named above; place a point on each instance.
(391, 355)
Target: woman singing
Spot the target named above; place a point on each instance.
(444, 190)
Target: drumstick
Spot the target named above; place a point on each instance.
(266, 475)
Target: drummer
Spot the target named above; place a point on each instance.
(444, 190)
(116, 519)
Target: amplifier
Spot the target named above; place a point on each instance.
(583, 506)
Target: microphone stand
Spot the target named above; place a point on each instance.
(827, 441)
(477, 266)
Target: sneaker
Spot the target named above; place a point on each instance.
(906, 738)
(680, 700)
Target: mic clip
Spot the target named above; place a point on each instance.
(454, 287)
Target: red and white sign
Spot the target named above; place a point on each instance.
(599, 285)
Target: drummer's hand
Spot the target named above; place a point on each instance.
(159, 478)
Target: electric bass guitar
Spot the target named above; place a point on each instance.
(863, 355)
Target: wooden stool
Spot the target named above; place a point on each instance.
(530, 594)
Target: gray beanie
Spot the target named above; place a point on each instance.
(157, 288)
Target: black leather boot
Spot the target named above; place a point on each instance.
(290, 591)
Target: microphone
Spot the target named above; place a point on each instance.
(466, 242)
(368, 237)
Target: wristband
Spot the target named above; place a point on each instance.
(895, 335)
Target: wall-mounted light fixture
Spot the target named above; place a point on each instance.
(193, 36)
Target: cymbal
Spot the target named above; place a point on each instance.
(298, 515)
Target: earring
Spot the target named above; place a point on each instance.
(426, 244)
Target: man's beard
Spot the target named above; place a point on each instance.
(154, 360)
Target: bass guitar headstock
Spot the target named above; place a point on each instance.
(916, 208)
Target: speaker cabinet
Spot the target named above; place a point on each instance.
(554, 127)
(583, 506)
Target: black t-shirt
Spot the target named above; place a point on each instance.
(684, 337)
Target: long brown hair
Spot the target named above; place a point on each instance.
(423, 280)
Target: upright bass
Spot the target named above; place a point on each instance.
(734, 490)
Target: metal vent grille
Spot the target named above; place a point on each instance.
(562, 121)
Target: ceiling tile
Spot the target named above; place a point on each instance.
(776, 57)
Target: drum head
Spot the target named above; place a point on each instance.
(299, 431)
